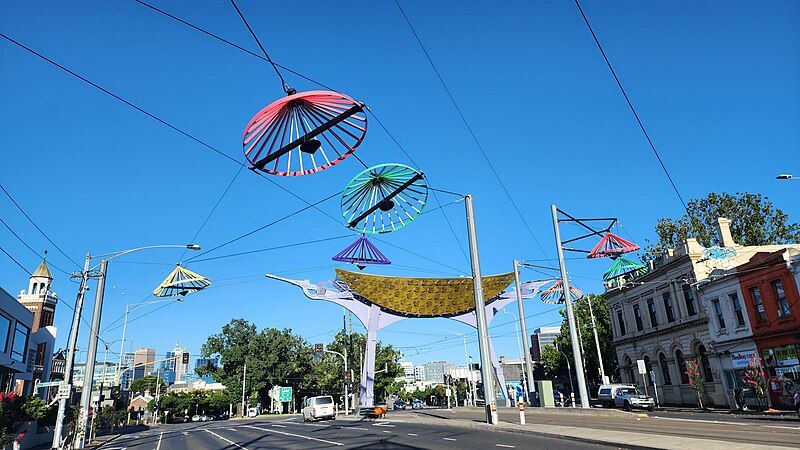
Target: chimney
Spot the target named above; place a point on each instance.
(724, 232)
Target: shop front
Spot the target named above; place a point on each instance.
(782, 367)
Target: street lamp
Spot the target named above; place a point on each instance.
(787, 176)
(99, 271)
(569, 373)
(466, 361)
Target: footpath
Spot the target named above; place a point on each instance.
(618, 428)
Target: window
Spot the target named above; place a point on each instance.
(662, 361)
(41, 351)
(681, 363)
(780, 294)
(20, 342)
(637, 314)
(718, 313)
(629, 370)
(5, 327)
(621, 322)
(758, 303)
(737, 309)
(46, 318)
(668, 307)
(688, 297)
(651, 311)
(705, 364)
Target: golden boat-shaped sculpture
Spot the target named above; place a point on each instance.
(423, 297)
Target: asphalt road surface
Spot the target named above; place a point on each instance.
(292, 433)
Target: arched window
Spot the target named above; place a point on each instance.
(662, 361)
(705, 364)
(34, 288)
(649, 368)
(681, 364)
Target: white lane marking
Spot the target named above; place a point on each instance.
(161, 435)
(413, 434)
(781, 427)
(448, 439)
(231, 429)
(295, 435)
(289, 419)
(184, 433)
(359, 428)
(278, 425)
(504, 445)
(386, 431)
(383, 424)
(226, 439)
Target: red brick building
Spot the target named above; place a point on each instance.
(769, 286)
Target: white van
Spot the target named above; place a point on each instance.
(252, 412)
(607, 392)
(316, 408)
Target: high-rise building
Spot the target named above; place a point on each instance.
(408, 371)
(541, 337)
(173, 368)
(143, 362)
(419, 373)
(435, 371)
(206, 362)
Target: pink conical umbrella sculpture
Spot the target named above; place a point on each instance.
(612, 246)
(361, 252)
(554, 295)
(304, 133)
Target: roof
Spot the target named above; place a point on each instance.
(423, 297)
(43, 271)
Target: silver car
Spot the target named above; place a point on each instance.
(631, 397)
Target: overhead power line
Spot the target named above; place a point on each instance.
(285, 86)
(15, 260)
(31, 248)
(478, 145)
(26, 214)
(632, 108)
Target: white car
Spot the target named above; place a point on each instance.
(607, 392)
(316, 408)
(195, 418)
(630, 398)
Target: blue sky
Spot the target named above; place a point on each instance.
(716, 87)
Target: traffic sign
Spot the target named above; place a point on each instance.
(642, 367)
(64, 391)
(285, 394)
(48, 384)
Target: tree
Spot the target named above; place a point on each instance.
(696, 380)
(556, 362)
(148, 384)
(274, 358)
(15, 410)
(754, 221)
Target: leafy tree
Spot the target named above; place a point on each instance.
(273, 357)
(148, 384)
(555, 363)
(754, 221)
(16, 410)
(328, 371)
(696, 380)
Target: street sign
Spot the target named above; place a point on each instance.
(642, 367)
(48, 384)
(63, 391)
(448, 392)
(285, 394)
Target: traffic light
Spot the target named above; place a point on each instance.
(319, 348)
(185, 358)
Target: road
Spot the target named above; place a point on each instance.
(292, 433)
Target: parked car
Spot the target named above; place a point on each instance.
(416, 404)
(631, 397)
(195, 418)
(316, 408)
(561, 399)
(252, 412)
(607, 392)
(399, 404)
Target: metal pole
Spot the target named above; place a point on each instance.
(58, 431)
(122, 344)
(346, 382)
(576, 353)
(524, 327)
(244, 380)
(597, 342)
(480, 314)
(99, 395)
(86, 395)
(466, 361)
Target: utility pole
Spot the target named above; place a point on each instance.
(68, 367)
(597, 343)
(524, 337)
(346, 380)
(480, 316)
(576, 353)
(244, 380)
(86, 395)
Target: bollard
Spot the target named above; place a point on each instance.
(521, 406)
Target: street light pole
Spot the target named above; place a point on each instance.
(480, 315)
(528, 363)
(86, 394)
(58, 431)
(344, 358)
(597, 342)
(576, 353)
(521, 343)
